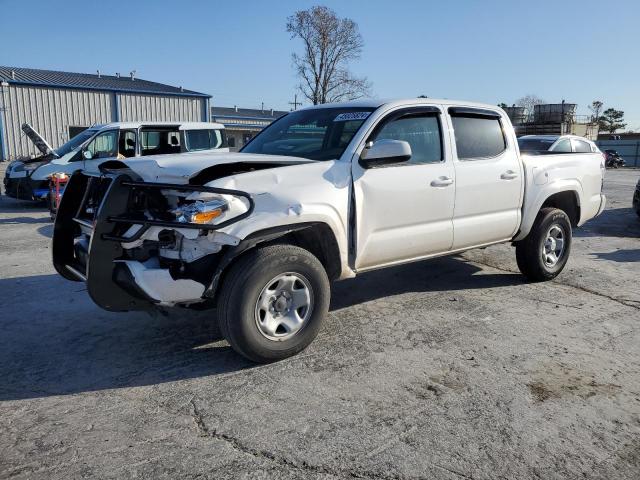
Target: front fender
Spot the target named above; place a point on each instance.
(315, 192)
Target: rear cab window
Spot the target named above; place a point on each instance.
(563, 146)
(536, 144)
(580, 146)
(478, 133)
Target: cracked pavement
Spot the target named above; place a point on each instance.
(453, 368)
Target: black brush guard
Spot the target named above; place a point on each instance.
(109, 282)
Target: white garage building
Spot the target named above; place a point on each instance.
(61, 104)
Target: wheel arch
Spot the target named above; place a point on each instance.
(565, 199)
(316, 237)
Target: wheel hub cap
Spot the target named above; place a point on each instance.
(553, 246)
(283, 306)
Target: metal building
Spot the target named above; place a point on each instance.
(242, 124)
(61, 104)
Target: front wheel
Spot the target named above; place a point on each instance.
(272, 302)
(544, 252)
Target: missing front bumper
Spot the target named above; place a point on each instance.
(113, 282)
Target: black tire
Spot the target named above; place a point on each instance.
(241, 289)
(529, 251)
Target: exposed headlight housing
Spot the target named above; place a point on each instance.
(201, 212)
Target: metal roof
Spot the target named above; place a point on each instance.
(89, 81)
(241, 113)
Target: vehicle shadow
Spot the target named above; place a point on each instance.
(614, 222)
(11, 205)
(24, 220)
(46, 230)
(623, 256)
(60, 343)
(444, 274)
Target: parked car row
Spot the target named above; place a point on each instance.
(555, 144)
(29, 179)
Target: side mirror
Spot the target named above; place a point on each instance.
(385, 152)
(87, 154)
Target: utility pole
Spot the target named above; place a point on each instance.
(295, 102)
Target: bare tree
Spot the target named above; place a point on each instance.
(330, 43)
(528, 102)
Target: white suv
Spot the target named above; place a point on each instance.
(29, 179)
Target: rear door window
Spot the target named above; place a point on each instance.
(204, 139)
(478, 136)
(159, 141)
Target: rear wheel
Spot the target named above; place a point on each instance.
(272, 302)
(544, 252)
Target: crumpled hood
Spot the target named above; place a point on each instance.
(180, 168)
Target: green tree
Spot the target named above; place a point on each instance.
(611, 120)
(503, 105)
(596, 108)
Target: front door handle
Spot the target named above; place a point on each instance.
(508, 175)
(442, 182)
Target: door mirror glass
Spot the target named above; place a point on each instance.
(87, 154)
(385, 152)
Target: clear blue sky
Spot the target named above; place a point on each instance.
(239, 51)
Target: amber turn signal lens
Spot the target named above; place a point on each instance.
(206, 217)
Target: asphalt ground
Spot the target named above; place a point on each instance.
(444, 369)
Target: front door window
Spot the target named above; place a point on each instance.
(105, 145)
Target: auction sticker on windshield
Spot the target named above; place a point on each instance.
(344, 117)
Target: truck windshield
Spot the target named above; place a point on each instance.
(75, 142)
(316, 134)
(535, 144)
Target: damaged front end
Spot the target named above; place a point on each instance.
(141, 244)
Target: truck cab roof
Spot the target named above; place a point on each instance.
(375, 103)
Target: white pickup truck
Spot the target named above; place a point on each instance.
(322, 194)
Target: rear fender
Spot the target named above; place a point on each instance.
(534, 201)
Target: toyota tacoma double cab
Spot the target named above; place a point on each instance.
(322, 194)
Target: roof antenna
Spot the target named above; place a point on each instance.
(133, 75)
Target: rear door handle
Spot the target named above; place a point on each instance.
(508, 175)
(442, 182)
